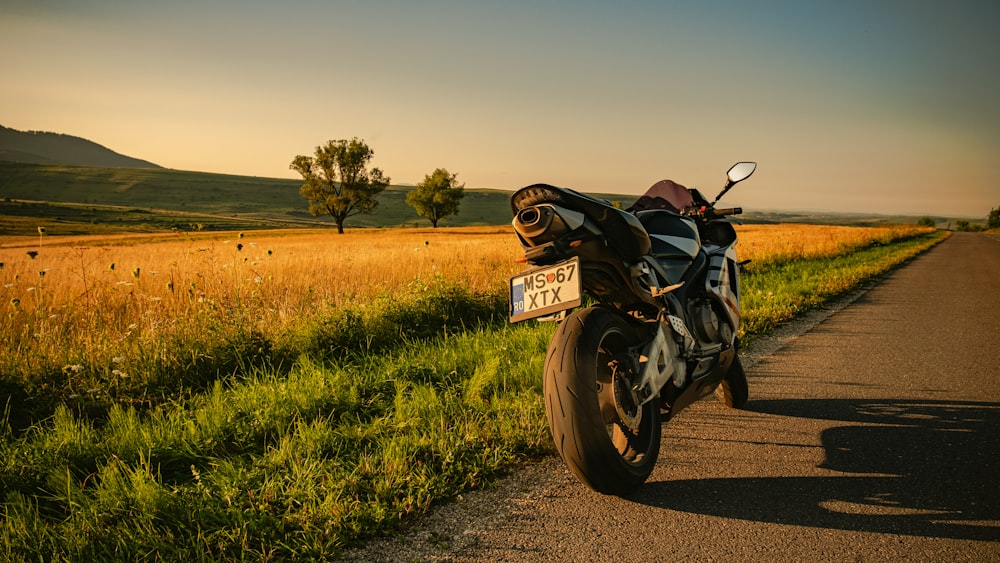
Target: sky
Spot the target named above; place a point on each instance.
(872, 106)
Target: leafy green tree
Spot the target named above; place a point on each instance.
(437, 196)
(926, 221)
(993, 220)
(338, 181)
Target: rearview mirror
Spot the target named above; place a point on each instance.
(741, 171)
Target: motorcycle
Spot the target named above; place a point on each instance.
(659, 331)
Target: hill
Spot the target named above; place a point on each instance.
(70, 200)
(78, 186)
(55, 148)
(79, 199)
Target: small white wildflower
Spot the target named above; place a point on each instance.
(119, 373)
(117, 360)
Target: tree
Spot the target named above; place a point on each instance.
(338, 181)
(437, 196)
(926, 221)
(993, 220)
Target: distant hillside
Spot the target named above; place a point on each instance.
(247, 198)
(54, 148)
(85, 199)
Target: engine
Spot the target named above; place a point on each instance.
(709, 329)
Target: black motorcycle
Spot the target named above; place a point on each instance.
(661, 332)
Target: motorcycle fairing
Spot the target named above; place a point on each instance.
(672, 235)
(722, 281)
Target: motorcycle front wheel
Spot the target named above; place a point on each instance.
(734, 391)
(607, 441)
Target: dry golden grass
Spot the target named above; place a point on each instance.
(170, 300)
(770, 244)
(286, 271)
(92, 297)
(289, 272)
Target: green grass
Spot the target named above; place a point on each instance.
(279, 462)
(293, 445)
(66, 219)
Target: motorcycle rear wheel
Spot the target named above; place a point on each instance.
(612, 448)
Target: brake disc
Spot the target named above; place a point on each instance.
(626, 405)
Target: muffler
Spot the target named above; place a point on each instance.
(545, 222)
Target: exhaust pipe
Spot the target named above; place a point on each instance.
(533, 221)
(546, 222)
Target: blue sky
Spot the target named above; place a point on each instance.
(871, 106)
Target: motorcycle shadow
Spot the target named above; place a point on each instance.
(913, 467)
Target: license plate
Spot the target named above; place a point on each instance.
(545, 290)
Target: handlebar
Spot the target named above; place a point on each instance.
(707, 213)
(727, 211)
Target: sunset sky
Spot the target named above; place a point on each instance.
(886, 106)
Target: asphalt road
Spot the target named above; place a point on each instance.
(873, 434)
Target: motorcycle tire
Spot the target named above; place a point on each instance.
(605, 452)
(734, 391)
